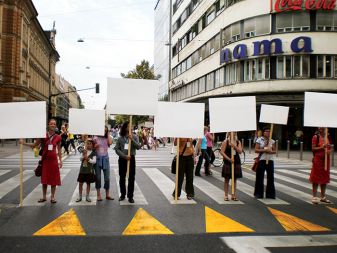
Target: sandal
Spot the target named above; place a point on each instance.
(41, 200)
(109, 198)
(189, 197)
(226, 199)
(314, 200)
(235, 199)
(325, 200)
(53, 201)
(99, 199)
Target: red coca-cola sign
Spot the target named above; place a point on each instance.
(297, 5)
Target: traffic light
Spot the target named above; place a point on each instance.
(97, 88)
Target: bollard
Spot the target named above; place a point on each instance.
(332, 155)
(301, 151)
(250, 145)
(243, 143)
(288, 149)
(276, 146)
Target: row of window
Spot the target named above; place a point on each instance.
(261, 25)
(186, 13)
(203, 52)
(204, 21)
(285, 67)
(176, 5)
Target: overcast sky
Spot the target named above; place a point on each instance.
(117, 35)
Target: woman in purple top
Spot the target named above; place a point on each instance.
(102, 143)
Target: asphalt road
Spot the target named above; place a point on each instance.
(198, 226)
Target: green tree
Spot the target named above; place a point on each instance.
(142, 71)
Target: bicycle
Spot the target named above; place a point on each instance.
(218, 161)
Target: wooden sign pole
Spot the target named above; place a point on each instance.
(21, 174)
(232, 157)
(326, 149)
(129, 147)
(177, 171)
(269, 142)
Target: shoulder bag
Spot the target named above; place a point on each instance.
(174, 161)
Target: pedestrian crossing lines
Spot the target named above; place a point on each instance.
(293, 186)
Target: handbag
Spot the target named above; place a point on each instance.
(256, 162)
(174, 162)
(38, 170)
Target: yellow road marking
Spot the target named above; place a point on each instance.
(292, 223)
(218, 223)
(145, 224)
(67, 224)
(333, 209)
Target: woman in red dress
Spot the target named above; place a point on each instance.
(50, 165)
(318, 175)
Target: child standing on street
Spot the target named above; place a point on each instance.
(87, 170)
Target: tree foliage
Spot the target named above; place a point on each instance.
(141, 71)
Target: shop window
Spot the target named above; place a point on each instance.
(320, 66)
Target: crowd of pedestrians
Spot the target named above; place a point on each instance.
(94, 161)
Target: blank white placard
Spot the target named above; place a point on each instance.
(148, 124)
(180, 120)
(232, 114)
(23, 120)
(320, 110)
(274, 114)
(82, 121)
(132, 96)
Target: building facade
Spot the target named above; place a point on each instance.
(27, 54)
(162, 42)
(63, 102)
(272, 49)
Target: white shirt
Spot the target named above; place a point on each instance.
(93, 160)
(262, 142)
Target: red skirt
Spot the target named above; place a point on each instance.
(50, 171)
(318, 173)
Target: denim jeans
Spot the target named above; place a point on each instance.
(103, 165)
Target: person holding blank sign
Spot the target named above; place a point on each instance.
(186, 167)
(226, 151)
(50, 165)
(121, 149)
(318, 175)
(265, 150)
(102, 143)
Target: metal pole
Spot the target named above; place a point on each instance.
(332, 155)
(250, 145)
(276, 145)
(301, 150)
(288, 149)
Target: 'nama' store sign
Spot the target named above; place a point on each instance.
(298, 5)
(265, 47)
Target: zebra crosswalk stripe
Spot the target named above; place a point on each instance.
(287, 190)
(249, 190)
(3, 172)
(13, 182)
(32, 198)
(212, 191)
(138, 195)
(166, 186)
(308, 172)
